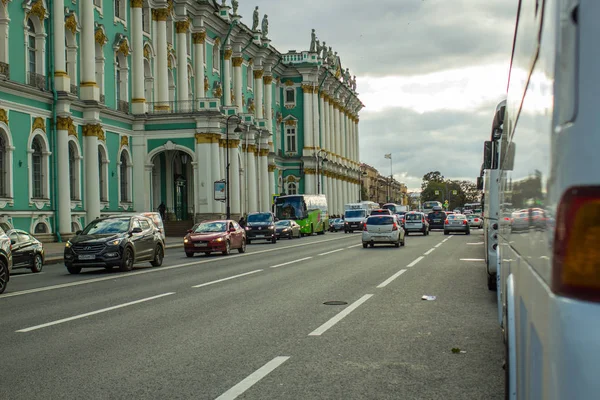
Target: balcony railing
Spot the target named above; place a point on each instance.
(36, 80)
(4, 70)
(123, 106)
(172, 107)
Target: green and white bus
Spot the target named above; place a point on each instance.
(308, 210)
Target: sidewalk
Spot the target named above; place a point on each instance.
(54, 251)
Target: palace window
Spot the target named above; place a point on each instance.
(100, 70)
(74, 170)
(216, 55)
(121, 82)
(31, 47)
(120, 9)
(146, 20)
(124, 177)
(250, 77)
(98, 3)
(290, 96)
(290, 140)
(3, 165)
(103, 173)
(38, 170)
(292, 188)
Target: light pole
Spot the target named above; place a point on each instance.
(317, 154)
(227, 197)
(362, 173)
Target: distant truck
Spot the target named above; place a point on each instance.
(355, 215)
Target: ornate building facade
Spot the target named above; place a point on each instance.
(381, 189)
(115, 106)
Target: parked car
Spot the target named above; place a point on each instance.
(215, 236)
(336, 224)
(382, 229)
(5, 260)
(475, 220)
(436, 219)
(115, 241)
(27, 251)
(156, 218)
(415, 221)
(287, 229)
(456, 223)
(260, 225)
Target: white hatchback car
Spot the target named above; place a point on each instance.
(382, 229)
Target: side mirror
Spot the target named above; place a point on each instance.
(479, 183)
(276, 219)
(232, 229)
(487, 154)
(137, 229)
(78, 232)
(189, 231)
(13, 241)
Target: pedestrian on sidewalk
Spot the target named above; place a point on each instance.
(161, 209)
(242, 222)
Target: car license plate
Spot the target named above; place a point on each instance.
(87, 257)
(260, 236)
(200, 244)
(436, 220)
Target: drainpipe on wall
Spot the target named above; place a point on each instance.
(53, 132)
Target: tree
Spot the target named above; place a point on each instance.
(432, 176)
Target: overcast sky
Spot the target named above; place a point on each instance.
(430, 73)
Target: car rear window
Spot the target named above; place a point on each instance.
(454, 216)
(437, 215)
(413, 217)
(380, 221)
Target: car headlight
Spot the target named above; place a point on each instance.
(286, 230)
(186, 240)
(218, 239)
(115, 242)
(247, 228)
(68, 244)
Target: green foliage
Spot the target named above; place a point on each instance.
(466, 191)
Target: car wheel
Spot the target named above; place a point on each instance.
(397, 244)
(189, 254)
(372, 244)
(491, 282)
(406, 233)
(227, 250)
(127, 262)
(445, 232)
(38, 263)
(243, 248)
(403, 242)
(365, 245)
(4, 276)
(291, 236)
(249, 241)
(467, 232)
(73, 270)
(425, 233)
(109, 267)
(273, 240)
(207, 253)
(159, 255)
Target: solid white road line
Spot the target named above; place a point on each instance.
(60, 321)
(152, 270)
(475, 243)
(323, 328)
(472, 259)
(412, 264)
(329, 252)
(428, 252)
(391, 278)
(32, 274)
(356, 245)
(252, 379)
(227, 279)
(439, 244)
(291, 262)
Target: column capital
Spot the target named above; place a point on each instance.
(272, 168)
(160, 14)
(307, 88)
(199, 37)
(258, 74)
(94, 130)
(264, 152)
(237, 61)
(227, 54)
(136, 3)
(268, 79)
(182, 26)
(203, 138)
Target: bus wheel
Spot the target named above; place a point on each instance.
(491, 282)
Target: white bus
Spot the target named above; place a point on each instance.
(549, 277)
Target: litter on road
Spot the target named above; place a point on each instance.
(426, 297)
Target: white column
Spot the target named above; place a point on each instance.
(331, 128)
(268, 94)
(182, 28)
(89, 90)
(336, 130)
(258, 94)
(215, 169)
(92, 174)
(234, 176)
(227, 77)
(342, 151)
(61, 79)
(137, 57)
(62, 150)
(271, 182)
(307, 110)
(265, 203)
(333, 192)
(339, 196)
(237, 82)
(162, 72)
(322, 121)
(252, 181)
(315, 118)
(309, 183)
(141, 200)
(199, 38)
(204, 186)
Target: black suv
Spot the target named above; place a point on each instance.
(115, 241)
(5, 260)
(261, 226)
(436, 219)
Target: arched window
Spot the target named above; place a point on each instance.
(103, 174)
(3, 169)
(124, 177)
(4, 72)
(121, 82)
(190, 83)
(292, 188)
(71, 58)
(31, 47)
(120, 9)
(100, 70)
(290, 140)
(74, 171)
(40, 227)
(216, 56)
(250, 77)
(37, 170)
(118, 79)
(148, 81)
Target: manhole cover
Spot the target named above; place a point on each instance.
(335, 303)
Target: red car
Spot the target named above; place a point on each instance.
(215, 236)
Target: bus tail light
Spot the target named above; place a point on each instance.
(576, 257)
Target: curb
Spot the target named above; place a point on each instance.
(60, 259)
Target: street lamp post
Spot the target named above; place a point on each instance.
(317, 154)
(227, 197)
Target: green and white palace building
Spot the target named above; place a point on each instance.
(115, 106)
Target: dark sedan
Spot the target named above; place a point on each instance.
(27, 251)
(456, 223)
(287, 229)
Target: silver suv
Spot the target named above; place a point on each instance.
(5, 260)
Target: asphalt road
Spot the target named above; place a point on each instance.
(255, 325)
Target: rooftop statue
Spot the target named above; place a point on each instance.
(235, 4)
(323, 50)
(255, 20)
(313, 42)
(265, 26)
(354, 83)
